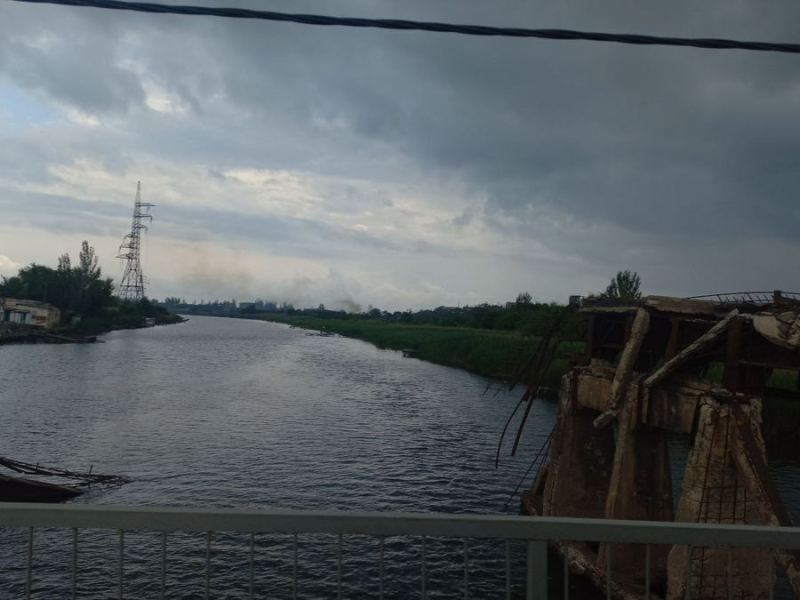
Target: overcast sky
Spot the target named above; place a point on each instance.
(405, 169)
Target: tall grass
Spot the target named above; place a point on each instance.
(484, 352)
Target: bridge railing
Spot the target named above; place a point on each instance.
(748, 297)
(535, 532)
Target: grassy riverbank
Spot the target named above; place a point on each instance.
(484, 352)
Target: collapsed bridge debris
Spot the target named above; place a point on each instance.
(655, 367)
(17, 489)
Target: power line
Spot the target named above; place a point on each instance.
(479, 30)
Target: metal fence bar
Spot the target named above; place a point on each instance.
(538, 532)
(380, 570)
(396, 524)
(729, 574)
(121, 560)
(566, 572)
(771, 577)
(536, 571)
(29, 567)
(252, 565)
(466, 569)
(74, 578)
(294, 566)
(208, 564)
(508, 570)
(339, 569)
(689, 551)
(424, 574)
(163, 565)
(647, 557)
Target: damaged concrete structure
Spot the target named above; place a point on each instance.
(653, 368)
(29, 312)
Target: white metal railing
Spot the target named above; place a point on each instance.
(536, 532)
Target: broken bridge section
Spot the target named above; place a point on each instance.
(656, 367)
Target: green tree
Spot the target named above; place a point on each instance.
(34, 282)
(66, 282)
(524, 298)
(624, 286)
(80, 289)
(88, 288)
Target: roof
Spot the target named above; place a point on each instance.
(24, 302)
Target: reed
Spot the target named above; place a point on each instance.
(485, 352)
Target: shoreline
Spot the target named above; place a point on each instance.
(491, 354)
(26, 335)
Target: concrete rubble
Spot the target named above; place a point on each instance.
(645, 377)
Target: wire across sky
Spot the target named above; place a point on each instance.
(402, 25)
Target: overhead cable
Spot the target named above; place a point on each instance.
(479, 30)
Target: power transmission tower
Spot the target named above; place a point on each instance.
(132, 285)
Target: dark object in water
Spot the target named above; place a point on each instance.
(16, 489)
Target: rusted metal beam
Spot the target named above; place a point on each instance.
(692, 349)
(542, 365)
(733, 352)
(590, 338)
(674, 338)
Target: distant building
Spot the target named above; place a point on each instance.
(29, 312)
(246, 305)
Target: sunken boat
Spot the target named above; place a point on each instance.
(43, 488)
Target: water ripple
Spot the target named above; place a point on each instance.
(228, 413)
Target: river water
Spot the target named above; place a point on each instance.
(232, 413)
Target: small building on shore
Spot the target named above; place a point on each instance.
(29, 312)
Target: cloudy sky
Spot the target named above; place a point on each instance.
(405, 170)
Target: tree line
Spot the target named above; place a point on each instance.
(523, 316)
(80, 289)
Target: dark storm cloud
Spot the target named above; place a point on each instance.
(59, 214)
(615, 155)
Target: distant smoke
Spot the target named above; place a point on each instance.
(211, 277)
(349, 305)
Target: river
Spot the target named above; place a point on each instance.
(235, 413)
(231, 413)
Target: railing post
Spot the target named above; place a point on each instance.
(536, 572)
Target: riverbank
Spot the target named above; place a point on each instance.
(489, 353)
(116, 320)
(87, 330)
(35, 335)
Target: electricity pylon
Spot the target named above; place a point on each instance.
(132, 285)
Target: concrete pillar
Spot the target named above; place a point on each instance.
(640, 489)
(581, 461)
(714, 491)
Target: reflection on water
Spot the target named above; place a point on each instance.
(222, 412)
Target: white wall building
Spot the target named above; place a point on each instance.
(29, 312)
